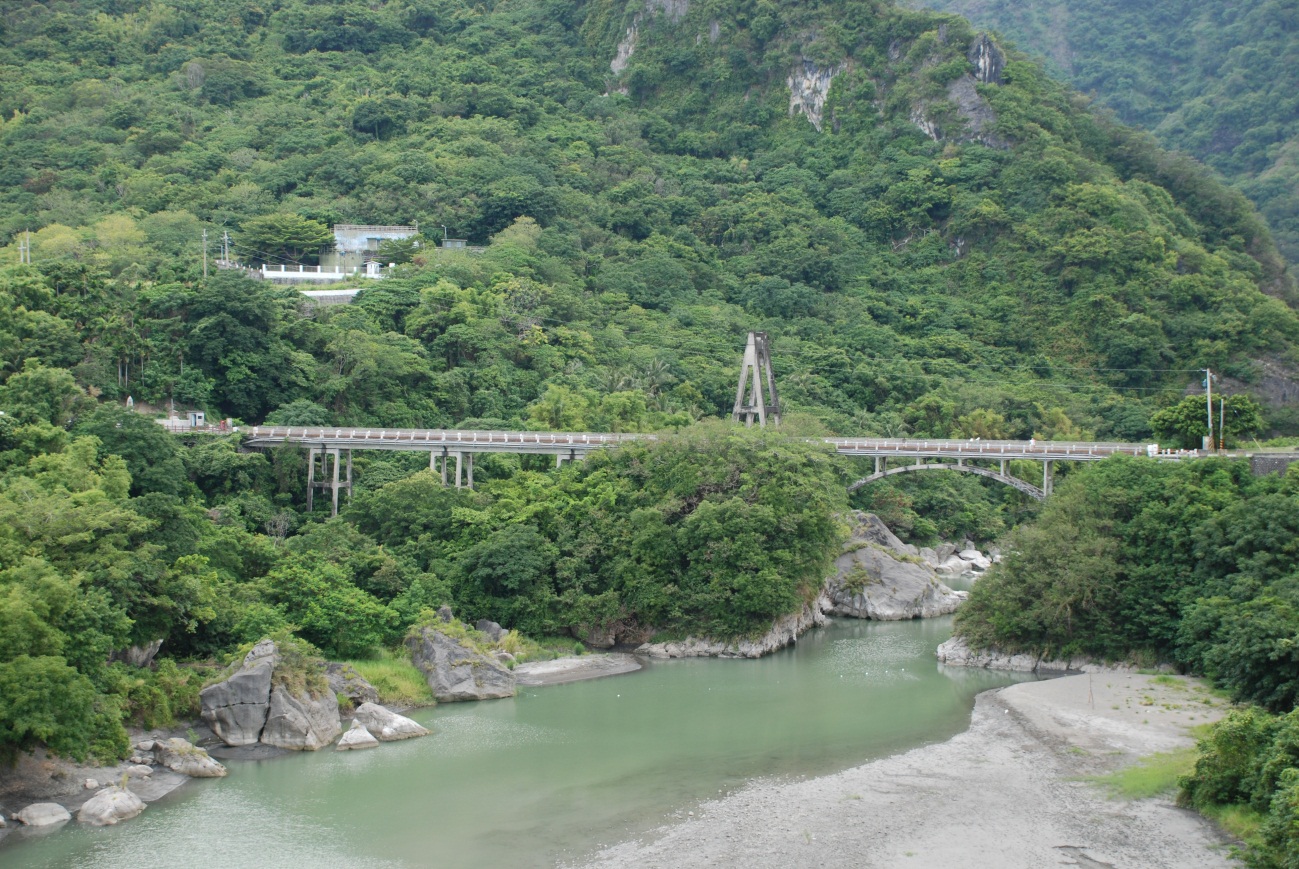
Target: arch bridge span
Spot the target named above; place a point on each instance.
(330, 450)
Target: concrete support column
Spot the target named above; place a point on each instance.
(311, 478)
(1047, 478)
(459, 462)
(444, 467)
(1003, 467)
(559, 460)
(333, 454)
(878, 464)
(469, 463)
(349, 476)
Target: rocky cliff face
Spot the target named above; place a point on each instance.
(880, 577)
(784, 632)
(247, 708)
(956, 652)
(809, 85)
(455, 671)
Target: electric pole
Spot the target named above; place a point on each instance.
(25, 248)
(1208, 402)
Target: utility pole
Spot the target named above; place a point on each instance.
(25, 248)
(1222, 422)
(1208, 402)
(225, 246)
(756, 366)
(205, 254)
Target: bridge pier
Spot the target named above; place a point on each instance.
(330, 461)
(1048, 477)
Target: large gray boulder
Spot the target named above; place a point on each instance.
(236, 709)
(255, 706)
(877, 577)
(43, 815)
(344, 681)
(110, 805)
(388, 726)
(182, 756)
(301, 722)
(357, 738)
(458, 672)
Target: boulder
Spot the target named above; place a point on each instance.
(43, 815)
(357, 737)
(109, 806)
(90, 784)
(386, 725)
(877, 578)
(455, 671)
(976, 559)
(237, 708)
(301, 722)
(344, 681)
(139, 770)
(182, 756)
(491, 629)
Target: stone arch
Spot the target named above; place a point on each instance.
(1014, 482)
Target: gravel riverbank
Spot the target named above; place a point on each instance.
(1007, 793)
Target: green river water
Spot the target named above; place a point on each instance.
(552, 774)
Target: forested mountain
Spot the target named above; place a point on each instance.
(941, 241)
(1215, 79)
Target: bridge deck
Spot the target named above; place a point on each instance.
(582, 443)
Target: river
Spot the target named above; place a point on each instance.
(555, 772)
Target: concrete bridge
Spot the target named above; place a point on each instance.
(330, 452)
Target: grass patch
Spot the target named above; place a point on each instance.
(1240, 821)
(1150, 776)
(397, 680)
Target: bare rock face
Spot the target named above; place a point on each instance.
(43, 815)
(248, 708)
(301, 722)
(456, 672)
(180, 755)
(110, 805)
(345, 681)
(880, 577)
(956, 652)
(388, 726)
(988, 59)
(236, 709)
(784, 632)
(357, 738)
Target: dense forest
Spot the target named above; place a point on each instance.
(940, 239)
(1215, 79)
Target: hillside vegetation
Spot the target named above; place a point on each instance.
(1215, 79)
(935, 254)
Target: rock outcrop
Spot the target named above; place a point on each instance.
(182, 756)
(880, 577)
(236, 709)
(784, 632)
(357, 737)
(252, 706)
(43, 815)
(110, 805)
(388, 726)
(809, 86)
(956, 652)
(344, 681)
(455, 671)
(301, 721)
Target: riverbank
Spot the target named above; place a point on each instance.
(1006, 793)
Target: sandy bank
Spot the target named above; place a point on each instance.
(1005, 794)
(575, 668)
